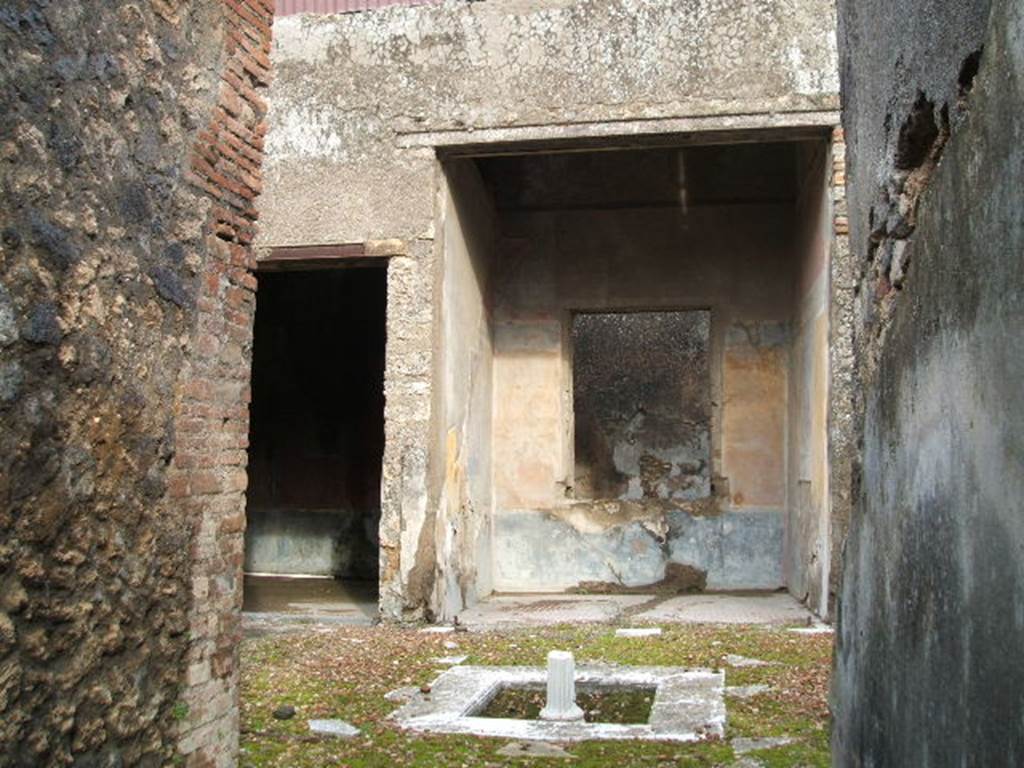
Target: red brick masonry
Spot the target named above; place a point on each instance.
(208, 474)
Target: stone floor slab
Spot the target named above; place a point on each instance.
(534, 749)
(770, 608)
(742, 746)
(510, 611)
(337, 728)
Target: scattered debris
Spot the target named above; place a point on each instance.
(450, 645)
(733, 660)
(284, 712)
(402, 695)
(337, 728)
(534, 749)
(638, 632)
(437, 630)
(746, 691)
(450, 660)
(742, 746)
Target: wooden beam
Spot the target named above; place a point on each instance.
(340, 256)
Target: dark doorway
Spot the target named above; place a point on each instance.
(316, 435)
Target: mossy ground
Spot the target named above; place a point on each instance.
(344, 673)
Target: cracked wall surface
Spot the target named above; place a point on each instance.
(932, 571)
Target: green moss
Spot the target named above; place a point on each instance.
(345, 674)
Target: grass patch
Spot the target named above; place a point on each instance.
(344, 673)
(600, 705)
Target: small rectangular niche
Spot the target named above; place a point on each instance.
(642, 405)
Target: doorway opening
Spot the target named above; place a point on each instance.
(316, 442)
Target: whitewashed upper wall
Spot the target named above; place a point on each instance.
(353, 92)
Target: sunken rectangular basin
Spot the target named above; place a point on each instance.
(688, 704)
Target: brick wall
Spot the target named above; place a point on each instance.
(208, 474)
(130, 138)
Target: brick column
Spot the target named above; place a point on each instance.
(208, 474)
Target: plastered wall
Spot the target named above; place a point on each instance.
(361, 104)
(464, 521)
(737, 262)
(808, 530)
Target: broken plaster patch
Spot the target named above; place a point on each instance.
(689, 704)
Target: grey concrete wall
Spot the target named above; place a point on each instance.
(320, 542)
(930, 627)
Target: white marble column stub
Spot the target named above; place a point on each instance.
(561, 700)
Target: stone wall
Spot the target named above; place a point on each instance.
(130, 157)
(929, 622)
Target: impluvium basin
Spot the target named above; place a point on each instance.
(689, 704)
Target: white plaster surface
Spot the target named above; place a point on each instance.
(689, 704)
(816, 629)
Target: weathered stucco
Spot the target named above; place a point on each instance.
(809, 529)
(464, 522)
(930, 623)
(362, 106)
(349, 87)
(741, 263)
